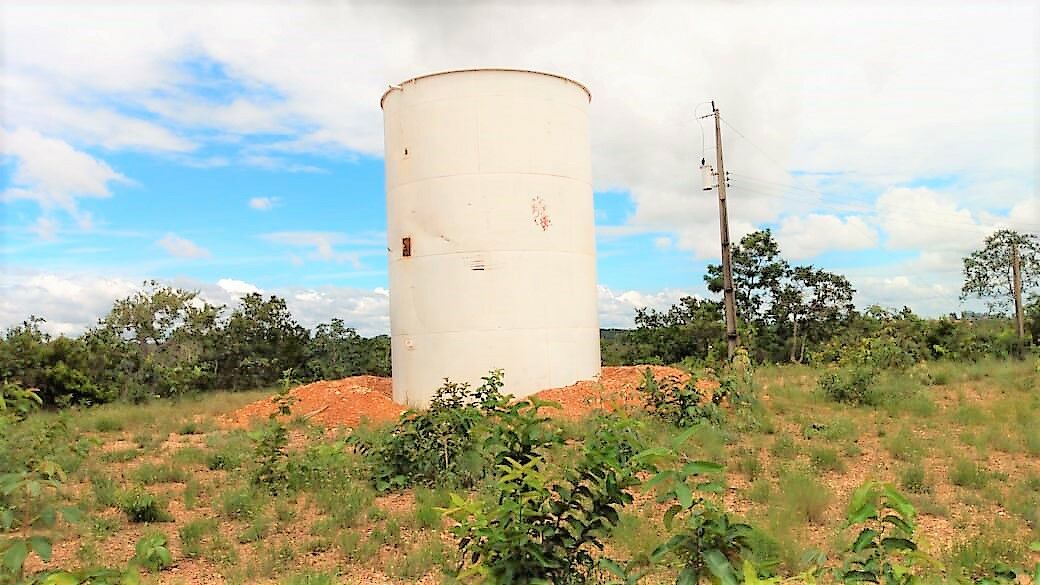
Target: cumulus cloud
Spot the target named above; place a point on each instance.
(73, 303)
(263, 203)
(238, 288)
(618, 308)
(834, 89)
(55, 175)
(181, 247)
(69, 303)
(806, 237)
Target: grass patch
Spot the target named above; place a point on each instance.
(967, 473)
(784, 447)
(825, 459)
(141, 506)
(121, 455)
(108, 424)
(904, 445)
(913, 479)
(804, 496)
(194, 533)
(151, 473)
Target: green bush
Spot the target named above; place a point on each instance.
(679, 403)
(850, 385)
(533, 529)
(436, 446)
(141, 506)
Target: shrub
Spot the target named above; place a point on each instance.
(141, 506)
(532, 529)
(679, 403)
(912, 478)
(850, 385)
(438, 446)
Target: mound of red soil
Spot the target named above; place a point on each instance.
(349, 401)
(617, 387)
(332, 403)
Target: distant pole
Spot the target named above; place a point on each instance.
(728, 296)
(1016, 275)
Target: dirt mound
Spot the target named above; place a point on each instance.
(348, 401)
(332, 403)
(617, 386)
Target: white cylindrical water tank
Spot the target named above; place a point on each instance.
(491, 231)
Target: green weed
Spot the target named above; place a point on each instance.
(966, 473)
(912, 478)
(192, 535)
(825, 459)
(151, 473)
(804, 496)
(141, 506)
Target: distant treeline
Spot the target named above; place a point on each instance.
(802, 313)
(164, 341)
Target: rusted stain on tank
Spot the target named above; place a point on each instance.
(540, 213)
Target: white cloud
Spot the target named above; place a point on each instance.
(618, 308)
(842, 92)
(55, 175)
(181, 247)
(237, 288)
(70, 303)
(263, 203)
(806, 237)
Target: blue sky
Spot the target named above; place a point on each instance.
(230, 149)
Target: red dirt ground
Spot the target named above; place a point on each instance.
(350, 400)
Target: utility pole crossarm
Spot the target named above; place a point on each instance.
(728, 295)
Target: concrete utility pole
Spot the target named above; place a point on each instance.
(1016, 275)
(728, 296)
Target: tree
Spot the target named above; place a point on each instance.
(171, 337)
(334, 351)
(810, 300)
(757, 272)
(691, 327)
(989, 272)
(260, 341)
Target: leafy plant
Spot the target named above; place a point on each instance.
(679, 403)
(709, 544)
(270, 441)
(437, 446)
(533, 529)
(151, 552)
(26, 496)
(141, 506)
(884, 550)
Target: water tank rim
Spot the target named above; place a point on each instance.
(478, 69)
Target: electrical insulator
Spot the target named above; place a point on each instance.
(708, 176)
